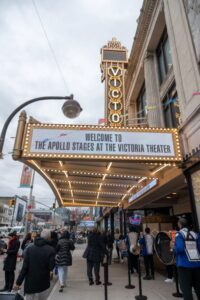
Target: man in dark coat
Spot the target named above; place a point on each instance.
(10, 261)
(39, 260)
(93, 253)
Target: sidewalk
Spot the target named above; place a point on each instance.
(78, 288)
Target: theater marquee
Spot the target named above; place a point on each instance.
(71, 141)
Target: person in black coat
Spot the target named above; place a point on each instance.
(10, 261)
(28, 239)
(110, 241)
(93, 253)
(39, 260)
(64, 257)
(54, 240)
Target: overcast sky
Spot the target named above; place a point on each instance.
(76, 30)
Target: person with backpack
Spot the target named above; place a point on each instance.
(187, 252)
(133, 249)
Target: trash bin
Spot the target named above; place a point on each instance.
(11, 296)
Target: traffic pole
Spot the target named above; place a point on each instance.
(107, 272)
(140, 296)
(129, 285)
(105, 265)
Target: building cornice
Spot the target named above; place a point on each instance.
(139, 39)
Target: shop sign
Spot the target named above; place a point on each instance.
(106, 143)
(144, 190)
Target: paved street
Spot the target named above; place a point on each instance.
(78, 288)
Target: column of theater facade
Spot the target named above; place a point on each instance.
(154, 115)
(186, 72)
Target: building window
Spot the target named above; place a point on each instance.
(141, 106)
(171, 108)
(164, 57)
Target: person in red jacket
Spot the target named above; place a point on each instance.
(10, 261)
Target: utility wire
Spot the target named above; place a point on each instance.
(49, 44)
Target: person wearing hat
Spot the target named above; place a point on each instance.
(187, 252)
(10, 261)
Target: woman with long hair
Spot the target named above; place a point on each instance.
(64, 257)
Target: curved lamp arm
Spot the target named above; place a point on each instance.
(7, 122)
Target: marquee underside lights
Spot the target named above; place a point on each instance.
(98, 166)
(102, 170)
(72, 192)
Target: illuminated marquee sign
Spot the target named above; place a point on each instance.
(115, 94)
(113, 65)
(73, 141)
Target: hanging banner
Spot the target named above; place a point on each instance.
(25, 181)
(102, 142)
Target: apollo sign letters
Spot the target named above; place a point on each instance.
(86, 142)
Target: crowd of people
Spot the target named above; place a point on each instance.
(50, 251)
(186, 249)
(42, 254)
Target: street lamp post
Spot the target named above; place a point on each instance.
(71, 109)
(54, 215)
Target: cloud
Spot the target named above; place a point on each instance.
(76, 30)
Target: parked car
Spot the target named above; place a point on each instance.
(4, 231)
(2, 235)
(3, 246)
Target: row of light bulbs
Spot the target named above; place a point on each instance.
(141, 129)
(91, 192)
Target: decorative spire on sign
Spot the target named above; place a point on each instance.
(114, 44)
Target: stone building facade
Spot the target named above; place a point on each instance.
(163, 85)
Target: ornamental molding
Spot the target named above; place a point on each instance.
(144, 21)
(114, 44)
